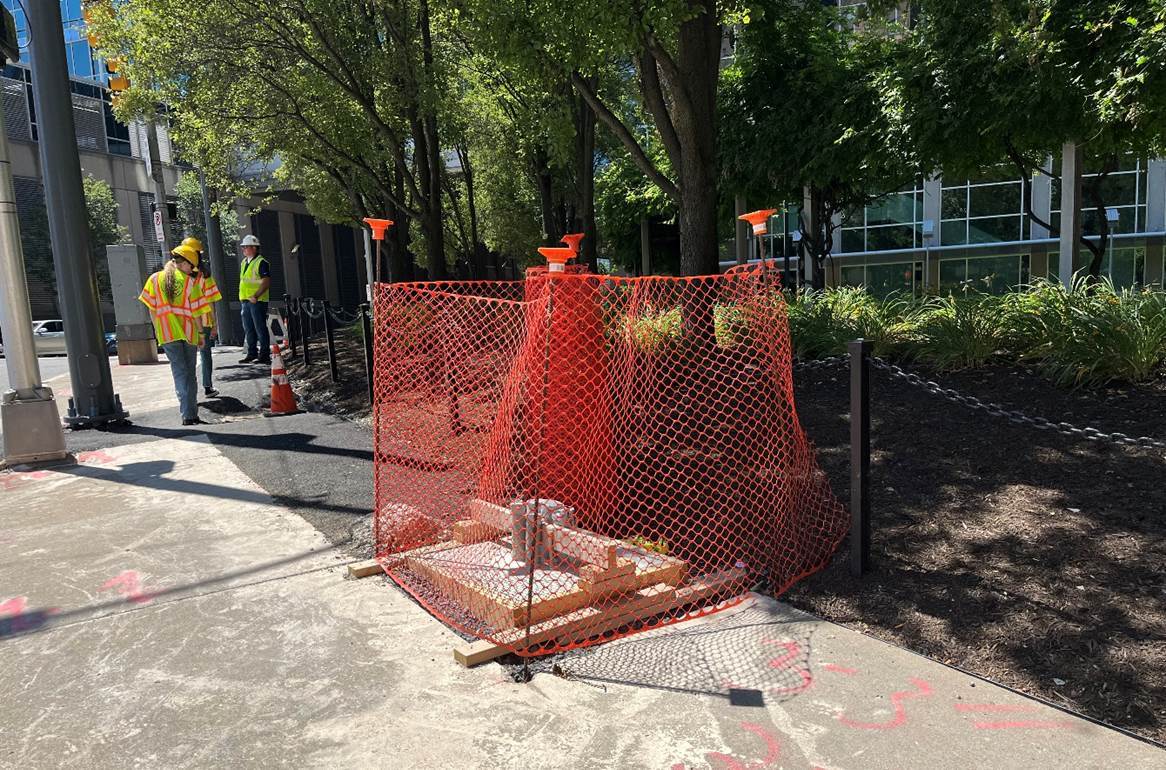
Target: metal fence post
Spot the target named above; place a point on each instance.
(859, 456)
(288, 330)
(366, 332)
(329, 335)
(305, 334)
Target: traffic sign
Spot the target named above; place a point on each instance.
(158, 227)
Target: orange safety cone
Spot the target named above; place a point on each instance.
(283, 400)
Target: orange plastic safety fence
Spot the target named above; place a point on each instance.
(572, 457)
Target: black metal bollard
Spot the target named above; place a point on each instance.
(329, 335)
(305, 333)
(859, 457)
(289, 330)
(366, 329)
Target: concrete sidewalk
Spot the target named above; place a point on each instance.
(162, 611)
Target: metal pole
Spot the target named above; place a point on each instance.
(76, 275)
(859, 457)
(368, 271)
(333, 368)
(32, 427)
(366, 330)
(214, 245)
(288, 329)
(158, 181)
(304, 336)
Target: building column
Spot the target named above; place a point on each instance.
(291, 259)
(1042, 206)
(741, 235)
(933, 214)
(1155, 220)
(809, 217)
(1072, 160)
(328, 263)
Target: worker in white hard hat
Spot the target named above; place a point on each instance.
(254, 291)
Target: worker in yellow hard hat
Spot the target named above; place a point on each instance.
(176, 306)
(210, 295)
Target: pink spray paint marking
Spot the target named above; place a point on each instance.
(128, 584)
(922, 690)
(837, 669)
(793, 652)
(10, 480)
(1024, 724)
(992, 708)
(772, 748)
(97, 457)
(14, 606)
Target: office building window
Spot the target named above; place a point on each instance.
(885, 279)
(1125, 267)
(987, 275)
(984, 210)
(895, 222)
(1123, 189)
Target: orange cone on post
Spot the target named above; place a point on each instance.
(759, 219)
(283, 400)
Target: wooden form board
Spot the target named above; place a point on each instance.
(590, 622)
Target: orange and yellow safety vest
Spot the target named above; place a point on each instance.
(210, 293)
(176, 319)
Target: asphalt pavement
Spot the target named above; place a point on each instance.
(50, 366)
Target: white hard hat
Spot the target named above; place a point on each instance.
(250, 240)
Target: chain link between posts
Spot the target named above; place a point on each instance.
(1014, 416)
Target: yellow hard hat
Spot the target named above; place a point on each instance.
(193, 243)
(185, 251)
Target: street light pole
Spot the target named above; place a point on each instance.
(28, 412)
(93, 401)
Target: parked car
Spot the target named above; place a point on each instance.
(49, 339)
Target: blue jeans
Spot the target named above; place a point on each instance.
(255, 334)
(182, 356)
(204, 358)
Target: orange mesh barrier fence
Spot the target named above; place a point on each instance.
(572, 458)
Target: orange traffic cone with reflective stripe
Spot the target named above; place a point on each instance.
(283, 400)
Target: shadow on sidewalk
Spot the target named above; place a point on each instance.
(151, 475)
(34, 621)
(749, 656)
(299, 443)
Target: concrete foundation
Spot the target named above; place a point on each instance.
(137, 351)
(32, 429)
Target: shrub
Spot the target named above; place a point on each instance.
(823, 322)
(961, 332)
(1092, 334)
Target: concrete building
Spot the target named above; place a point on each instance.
(325, 265)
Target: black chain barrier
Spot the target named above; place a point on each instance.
(303, 311)
(1014, 416)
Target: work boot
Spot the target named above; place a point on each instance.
(265, 360)
(210, 392)
(249, 359)
(192, 421)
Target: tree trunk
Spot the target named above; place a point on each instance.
(699, 49)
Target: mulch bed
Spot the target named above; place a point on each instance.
(1034, 559)
(1031, 558)
(314, 386)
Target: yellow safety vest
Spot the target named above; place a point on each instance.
(210, 293)
(249, 280)
(175, 319)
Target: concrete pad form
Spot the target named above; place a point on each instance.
(164, 613)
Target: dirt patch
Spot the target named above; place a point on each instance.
(313, 382)
(1029, 557)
